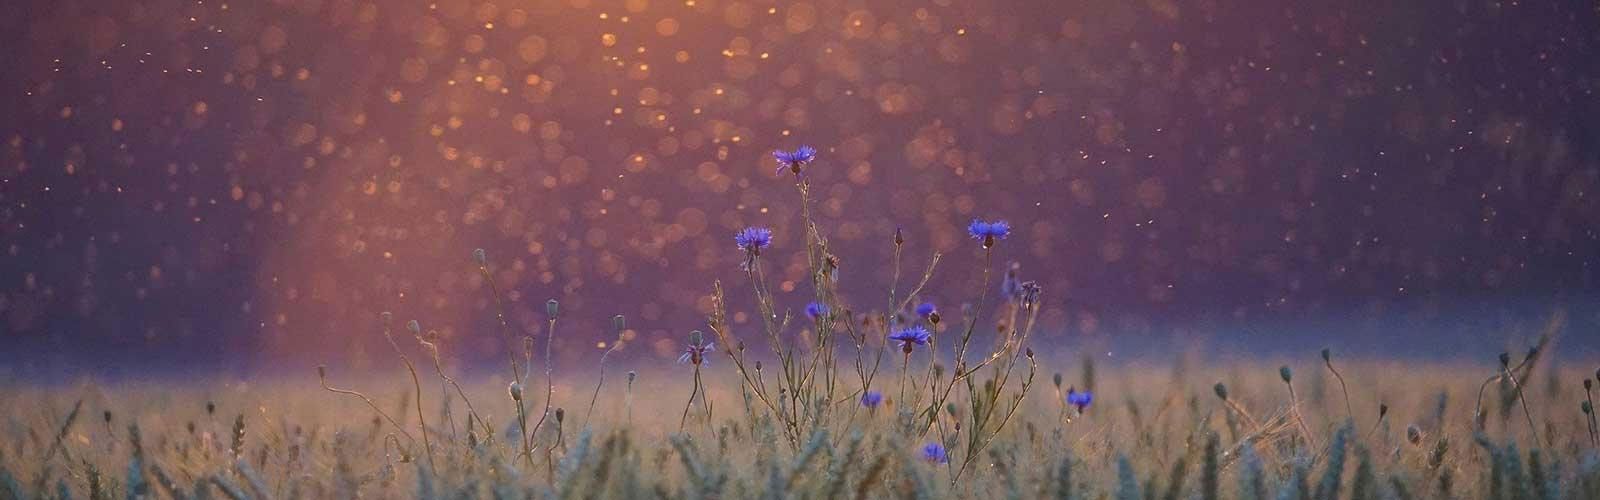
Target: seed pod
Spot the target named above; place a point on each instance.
(561, 415)
(1285, 374)
(386, 317)
(1327, 356)
(414, 326)
(551, 307)
(619, 322)
(1221, 390)
(481, 257)
(1413, 434)
(516, 391)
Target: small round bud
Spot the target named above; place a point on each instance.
(211, 408)
(551, 307)
(1221, 390)
(1285, 373)
(1327, 356)
(516, 391)
(697, 338)
(561, 415)
(1413, 434)
(1383, 409)
(1056, 379)
(1505, 360)
(1029, 353)
(386, 317)
(107, 416)
(934, 317)
(758, 365)
(899, 237)
(619, 322)
(322, 372)
(479, 256)
(1587, 384)
(631, 376)
(414, 326)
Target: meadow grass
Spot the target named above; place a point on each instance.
(1164, 427)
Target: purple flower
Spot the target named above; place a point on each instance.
(934, 454)
(817, 310)
(696, 354)
(926, 309)
(911, 336)
(1080, 400)
(794, 160)
(753, 239)
(988, 232)
(871, 399)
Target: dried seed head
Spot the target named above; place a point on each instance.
(619, 322)
(107, 416)
(1327, 356)
(481, 257)
(1505, 360)
(1587, 384)
(934, 317)
(631, 376)
(1221, 390)
(1587, 407)
(516, 391)
(1285, 374)
(1383, 410)
(1056, 379)
(758, 365)
(697, 338)
(1413, 434)
(561, 415)
(211, 406)
(414, 326)
(386, 317)
(551, 307)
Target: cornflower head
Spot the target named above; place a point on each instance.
(795, 160)
(697, 349)
(871, 399)
(817, 310)
(934, 453)
(988, 232)
(753, 239)
(1079, 400)
(911, 336)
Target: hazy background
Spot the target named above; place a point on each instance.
(242, 186)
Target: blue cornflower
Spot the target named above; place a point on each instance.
(817, 310)
(753, 239)
(988, 232)
(696, 354)
(934, 454)
(871, 399)
(1080, 400)
(911, 336)
(794, 160)
(926, 309)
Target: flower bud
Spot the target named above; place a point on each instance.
(386, 317)
(1221, 390)
(1327, 356)
(697, 338)
(1383, 409)
(1056, 379)
(1285, 374)
(619, 322)
(414, 326)
(561, 415)
(481, 257)
(516, 391)
(1505, 360)
(1587, 383)
(551, 307)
